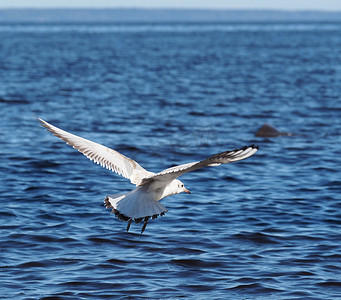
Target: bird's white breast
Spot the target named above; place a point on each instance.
(162, 189)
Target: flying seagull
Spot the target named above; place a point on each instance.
(142, 203)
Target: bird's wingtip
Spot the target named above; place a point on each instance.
(253, 146)
(39, 119)
(42, 122)
(36, 117)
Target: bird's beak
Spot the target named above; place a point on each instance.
(187, 191)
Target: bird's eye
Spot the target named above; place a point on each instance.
(182, 185)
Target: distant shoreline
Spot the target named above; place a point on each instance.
(121, 15)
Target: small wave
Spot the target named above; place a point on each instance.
(197, 263)
(14, 101)
(331, 284)
(254, 288)
(7, 214)
(258, 238)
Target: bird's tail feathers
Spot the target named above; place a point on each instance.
(135, 206)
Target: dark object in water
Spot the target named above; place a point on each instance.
(268, 131)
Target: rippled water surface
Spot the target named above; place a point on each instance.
(264, 228)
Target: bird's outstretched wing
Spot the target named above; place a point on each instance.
(106, 157)
(215, 160)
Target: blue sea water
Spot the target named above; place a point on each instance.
(268, 227)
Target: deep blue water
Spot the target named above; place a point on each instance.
(268, 227)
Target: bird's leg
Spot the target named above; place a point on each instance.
(144, 224)
(129, 222)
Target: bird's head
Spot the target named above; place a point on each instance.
(180, 187)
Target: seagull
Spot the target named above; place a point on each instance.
(143, 202)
